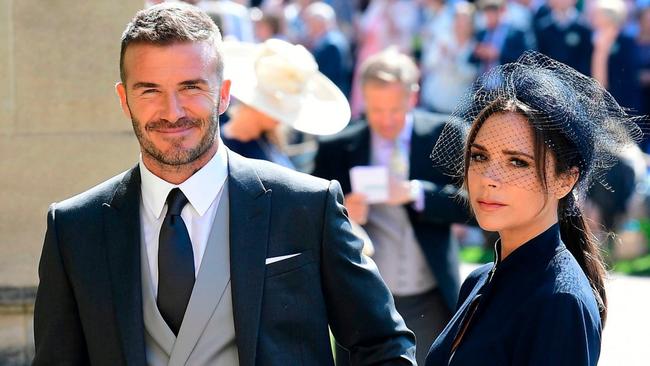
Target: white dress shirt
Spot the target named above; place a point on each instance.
(203, 191)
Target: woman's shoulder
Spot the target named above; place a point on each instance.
(473, 279)
(564, 284)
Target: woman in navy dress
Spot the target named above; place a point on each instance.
(527, 144)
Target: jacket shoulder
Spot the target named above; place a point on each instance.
(279, 178)
(93, 197)
(351, 133)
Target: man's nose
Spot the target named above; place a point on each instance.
(173, 108)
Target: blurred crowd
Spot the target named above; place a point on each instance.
(453, 42)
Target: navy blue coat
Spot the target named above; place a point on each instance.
(538, 309)
(350, 148)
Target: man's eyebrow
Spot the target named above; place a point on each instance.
(144, 84)
(194, 82)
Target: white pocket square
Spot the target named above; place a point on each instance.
(281, 258)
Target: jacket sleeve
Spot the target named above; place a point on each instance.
(360, 308)
(560, 331)
(58, 335)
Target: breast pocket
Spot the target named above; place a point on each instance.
(289, 264)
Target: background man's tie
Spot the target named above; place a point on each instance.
(397, 164)
(175, 263)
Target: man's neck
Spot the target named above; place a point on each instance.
(177, 174)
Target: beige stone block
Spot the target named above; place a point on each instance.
(14, 341)
(42, 169)
(6, 68)
(67, 63)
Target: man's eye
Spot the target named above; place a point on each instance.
(191, 87)
(519, 163)
(149, 91)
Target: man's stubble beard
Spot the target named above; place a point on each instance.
(177, 156)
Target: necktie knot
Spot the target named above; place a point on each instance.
(176, 200)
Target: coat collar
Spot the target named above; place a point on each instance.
(532, 256)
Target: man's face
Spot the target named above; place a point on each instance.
(492, 16)
(387, 106)
(173, 96)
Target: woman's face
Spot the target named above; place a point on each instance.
(504, 189)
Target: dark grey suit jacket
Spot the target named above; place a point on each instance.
(89, 302)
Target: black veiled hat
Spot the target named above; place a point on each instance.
(559, 101)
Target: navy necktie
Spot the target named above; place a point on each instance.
(175, 263)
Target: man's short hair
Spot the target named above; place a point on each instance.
(323, 12)
(169, 23)
(390, 66)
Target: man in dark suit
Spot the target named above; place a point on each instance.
(499, 43)
(328, 45)
(414, 249)
(197, 255)
(562, 35)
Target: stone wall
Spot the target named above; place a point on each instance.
(61, 132)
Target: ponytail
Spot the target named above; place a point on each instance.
(577, 236)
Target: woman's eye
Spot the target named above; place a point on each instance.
(477, 157)
(519, 163)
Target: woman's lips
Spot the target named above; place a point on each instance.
(490, 205)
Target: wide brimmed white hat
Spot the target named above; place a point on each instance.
(282, 80)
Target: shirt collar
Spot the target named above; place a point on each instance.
(201, 188)
(403, 138)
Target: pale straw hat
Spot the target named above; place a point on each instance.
(282, 80)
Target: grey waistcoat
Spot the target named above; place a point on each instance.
(207, 335)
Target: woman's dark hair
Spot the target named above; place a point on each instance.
(574, 231)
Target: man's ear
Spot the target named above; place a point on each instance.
(120, 89)
(413, 98)
(566, 181)
(224, 96)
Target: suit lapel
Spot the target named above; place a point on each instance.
(359, 148)
(250, 206)
(122, 233)
(421, 147)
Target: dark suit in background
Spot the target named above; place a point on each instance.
(569, 43)
(509, 41)
(332, 54)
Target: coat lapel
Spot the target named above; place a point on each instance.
(122, 233)
(421, 147)
(250, 206)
